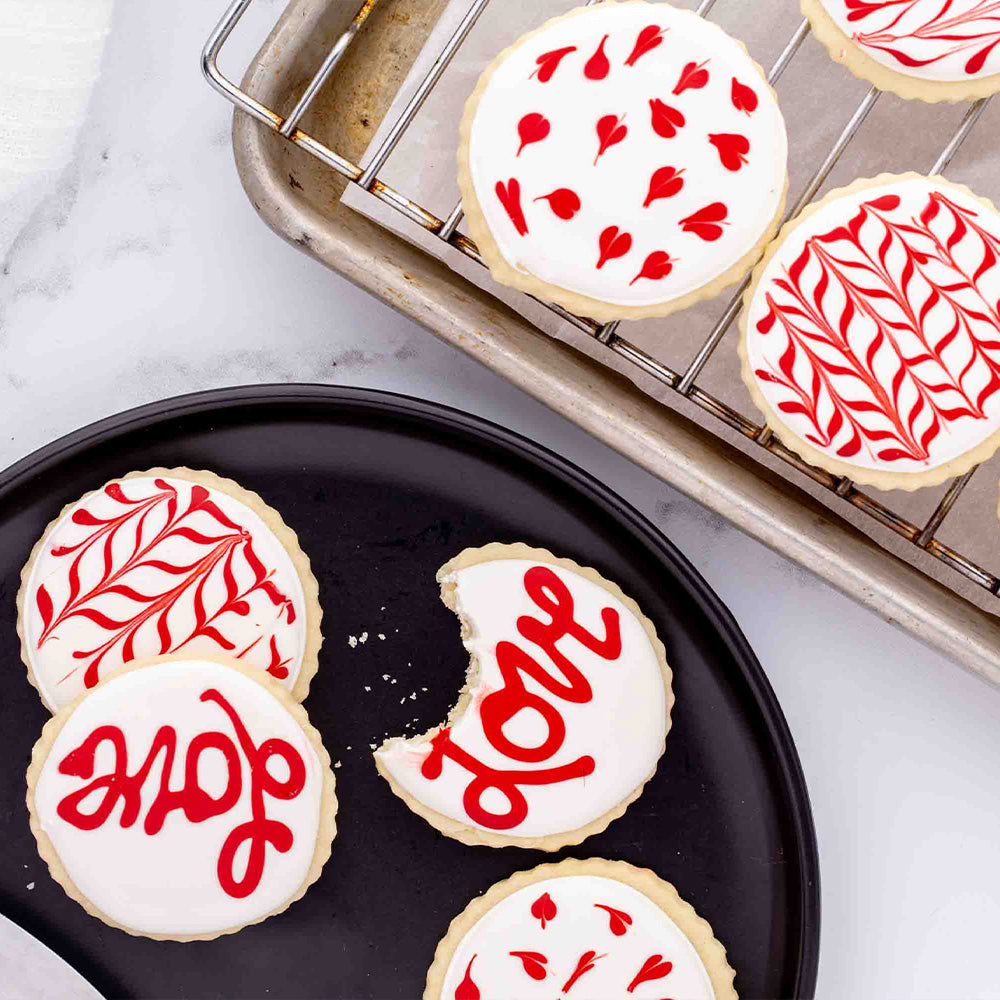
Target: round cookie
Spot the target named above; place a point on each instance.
(625, 160)
(614, 929)
(160, 562)
(564, 715)
(871, 332)
(183, 798)
(928, 50)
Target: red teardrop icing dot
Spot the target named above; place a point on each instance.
(598, 67)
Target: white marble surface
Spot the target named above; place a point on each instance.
(147, 274)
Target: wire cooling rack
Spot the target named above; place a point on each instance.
(683, 382)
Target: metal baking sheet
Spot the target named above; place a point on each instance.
(382, 490)
(297, 195)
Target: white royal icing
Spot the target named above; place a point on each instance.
(578, 927)
(620, 728)
(613, 191)
(909, 270)
(248, 619)
(927, 39)
(168, 882)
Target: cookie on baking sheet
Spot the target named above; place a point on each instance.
(166, 561)
(616, 930)
(625, 160)
(564, 714)
(871, 332)
(928, 50)
(183, 798)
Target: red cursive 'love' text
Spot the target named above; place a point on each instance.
(196, 804)
(553, 598)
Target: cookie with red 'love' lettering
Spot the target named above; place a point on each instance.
(166, 561)
(871, 332)
(928, 50)
(183, 798)
(580, 928)
(625, 160)
(565, 711)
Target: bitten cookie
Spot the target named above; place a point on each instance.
(871, 332)
(928, 50)
(183, 798)
(616, 930)
(564, 715)
(166, 561)
(625, 160)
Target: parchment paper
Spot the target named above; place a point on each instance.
(817, 97)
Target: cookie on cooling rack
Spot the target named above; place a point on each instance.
(928, 50)
(563, 717)
(871, 332)
(183, 798)
(625, 160)
(160, 562)
(614, 929)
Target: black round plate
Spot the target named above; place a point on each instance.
(382, 490)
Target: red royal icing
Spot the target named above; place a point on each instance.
(620, 920)
(665, 119)
(611, 130)
(467, 989)
(613, 244)
(732, 148)
(598, 67)
(665, 183)
(548, 63)
(744, 99)
(532, 128)
(658, 265)
(584, 964)
(933, 31)
(217, 553)
(707, 222)
(649, 39)
(913, 270)
(194, 802)
(564, 202)
(653, 968)
(543, 909)
(553, 598)
(510, 197)
(534, 963)
(694, 76)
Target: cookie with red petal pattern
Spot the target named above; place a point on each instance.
(625, 160)
(166, 561)
(613, 929)
(183, 798)
(926, 50)
(871, 332)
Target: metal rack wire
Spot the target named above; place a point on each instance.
(684, 383)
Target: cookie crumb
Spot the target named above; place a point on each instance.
(368, 687)
(394, 680)
(374, 746)
(381, 635)
(413, 697)
(336, 765)
(352, 641)
(363, 637)
(385, 677)
(31, 885)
